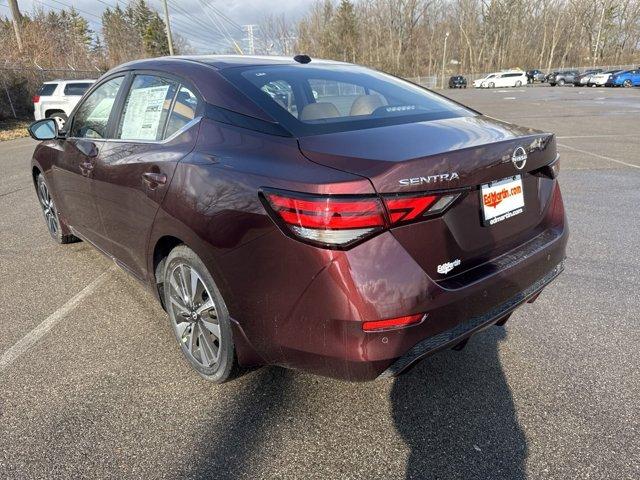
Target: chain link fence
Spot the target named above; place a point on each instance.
(19, 84)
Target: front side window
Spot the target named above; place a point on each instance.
(334, 98)
(92, 117)
(146, 108)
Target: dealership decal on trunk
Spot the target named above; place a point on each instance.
(448, 266)
(442, 177)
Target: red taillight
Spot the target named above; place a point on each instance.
(35, 98)
(329, 221)
(340, 221)
(408, 208)
(392, 323)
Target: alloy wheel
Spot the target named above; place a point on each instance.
(48, 208)
(628, 83)
(195, 316)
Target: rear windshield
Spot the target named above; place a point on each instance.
(76, 88)
(310, 100)
(47, 89)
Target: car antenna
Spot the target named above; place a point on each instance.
(302, 59)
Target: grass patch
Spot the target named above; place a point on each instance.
(10, 129)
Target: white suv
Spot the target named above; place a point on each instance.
(510, 78)
(57, 98)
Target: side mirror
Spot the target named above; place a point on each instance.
(46, 129)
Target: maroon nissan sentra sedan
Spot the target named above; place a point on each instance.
(311, 214)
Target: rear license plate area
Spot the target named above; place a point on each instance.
(501, 200)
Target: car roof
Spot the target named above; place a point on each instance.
(224, 61)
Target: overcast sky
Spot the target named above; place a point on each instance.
(193, 23)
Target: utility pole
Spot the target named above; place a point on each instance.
(250, 39)
(166, 21)
(17, 22)
(597, 46)
(444, 57)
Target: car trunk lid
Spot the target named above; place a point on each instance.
(452, 155)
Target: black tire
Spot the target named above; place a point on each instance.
(492, 85)
(561, 82)
(518, 84)
(627, 84)
(60, 118)
(196, 350)
(57, 229)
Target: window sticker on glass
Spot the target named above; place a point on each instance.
(144, 111)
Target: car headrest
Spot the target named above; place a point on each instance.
(319, 110)
(365, 104)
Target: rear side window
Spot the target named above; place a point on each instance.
(146, 108)
(184, 110)
(334, 98)
(47, 89)
(76, 88)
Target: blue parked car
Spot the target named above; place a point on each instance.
(628, 78)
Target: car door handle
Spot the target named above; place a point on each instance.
(153, 179)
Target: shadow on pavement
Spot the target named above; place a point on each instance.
(236, 439)
(456, 413)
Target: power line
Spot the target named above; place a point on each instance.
(231, 22)
(71, 7)
(220, 26)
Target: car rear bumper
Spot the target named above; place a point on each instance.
(379, 280)
(465, 329)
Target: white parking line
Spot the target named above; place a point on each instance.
(31, 338)
(599, 156)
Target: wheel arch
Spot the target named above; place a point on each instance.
(161, 250)
(162, 246)
(35, 171)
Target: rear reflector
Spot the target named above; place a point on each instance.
(340, 221)
(35, 98)
(392, 323)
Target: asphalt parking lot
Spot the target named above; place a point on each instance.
(92, 385)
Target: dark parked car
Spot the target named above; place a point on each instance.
(349, 231)
(535, 76)
(562, 78)
(457, 81)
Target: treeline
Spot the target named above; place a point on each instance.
(64, 39)
(61, 44)
(407, 37)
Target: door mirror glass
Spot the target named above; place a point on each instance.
(46, 129)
